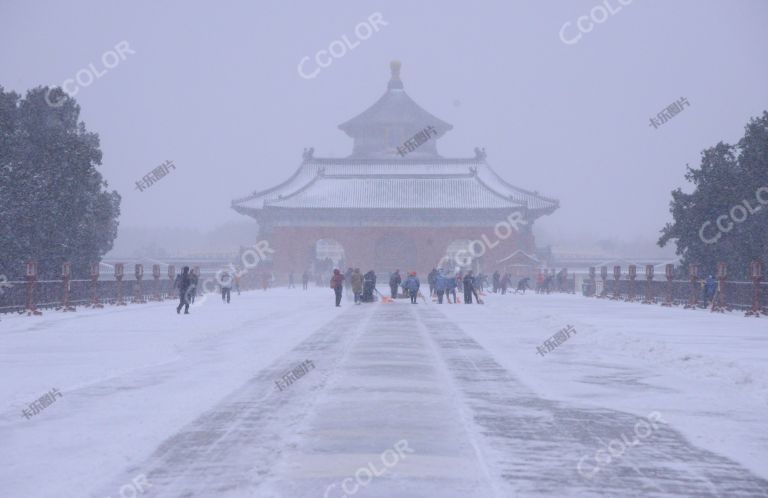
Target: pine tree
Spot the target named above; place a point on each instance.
(728, 176)
(53, 202)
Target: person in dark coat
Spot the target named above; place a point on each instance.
(305, 280)
(505, 283)
(369, 284)
(441, 285)
(337, 284)
(291, 285)
(710, 287)
(412, 284)
(184, 285)
(450, 289)
(522, 285)
(431, 281)
(469, 287)
(394, 282)
(496, 281)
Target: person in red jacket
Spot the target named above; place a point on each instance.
(337, 284)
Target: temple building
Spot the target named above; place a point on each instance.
(395, 202)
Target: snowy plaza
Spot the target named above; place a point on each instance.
(190, 403)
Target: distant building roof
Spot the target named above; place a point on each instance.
(397, 184)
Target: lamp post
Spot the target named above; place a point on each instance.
(756, 272)
(138, 271)
(649, 285)
(632, 273)
(669, 271)
(95, 267)
(718, 303)
(31, 275)
(693, 272)
(119, 277)
(616, 277)
(66, 277)
(171, 281)
(156, 277)
(604, 278)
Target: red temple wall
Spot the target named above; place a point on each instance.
(294, 247)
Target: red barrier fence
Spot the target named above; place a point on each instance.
(725, 295)
(31, 295)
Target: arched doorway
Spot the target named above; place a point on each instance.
(395, 251)
(459, 256)
(329, 254)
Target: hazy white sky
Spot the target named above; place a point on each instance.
(214, 87)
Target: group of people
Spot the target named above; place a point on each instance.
(186, 283)
(442, 285)
(503, 282)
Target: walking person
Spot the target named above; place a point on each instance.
(193, 279)
(505, 280)
(237, 283)
(357, 285)
(184, 283)
(450, 289)
(431, 277)
(469, 286)
(226, 286)
(412, 284)
(441, 285)
(305, 280)
(496, 281)
(369, 284)
(710, 287)
(394, 283)
(337, 284)
(291, 285)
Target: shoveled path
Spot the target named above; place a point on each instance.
(401, 377)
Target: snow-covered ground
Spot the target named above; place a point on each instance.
(190, 402)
